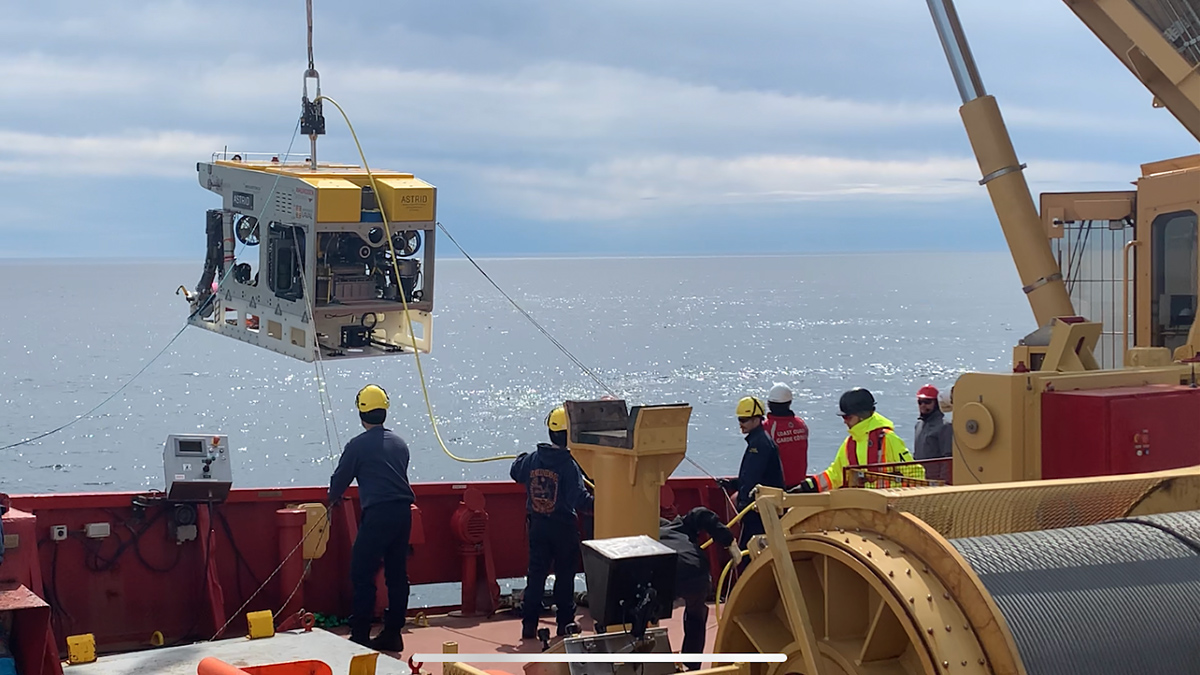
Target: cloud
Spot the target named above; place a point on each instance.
(556, 104)
(661, 112)
(664, 184)
(151, 153)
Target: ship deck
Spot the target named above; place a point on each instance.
(499, 634)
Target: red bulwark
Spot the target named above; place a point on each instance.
(1120, 430)
(148, 575)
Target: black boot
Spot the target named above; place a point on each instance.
(360, 631)
(388, 640)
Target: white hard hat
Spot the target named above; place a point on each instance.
(780, 393)
(944, 402)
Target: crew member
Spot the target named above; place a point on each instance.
(692, 578)
(871, 441)
(790, 434)
(760, 465)
(554, 491)
(934, 438)
(378, 459)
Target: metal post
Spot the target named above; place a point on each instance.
(958, 52)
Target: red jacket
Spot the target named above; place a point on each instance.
(791, 435)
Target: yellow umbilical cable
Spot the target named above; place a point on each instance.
(721, 582)
(407, 320)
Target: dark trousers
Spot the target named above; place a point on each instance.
(382, 539)
(694, 593)
(552, 543)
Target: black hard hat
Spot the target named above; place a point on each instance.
(857, 400)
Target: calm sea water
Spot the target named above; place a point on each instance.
(705, 331)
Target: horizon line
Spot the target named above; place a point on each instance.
(524, 256)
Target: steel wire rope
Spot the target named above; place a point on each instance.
(167, 346)
(532, 320)
(590, 373)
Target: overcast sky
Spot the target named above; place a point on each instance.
(565, 128)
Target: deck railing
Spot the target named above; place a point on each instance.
(920, 473)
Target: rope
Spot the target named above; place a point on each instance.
(328, 518)
(567, 352)
(408, 322)
(319, 369)
(307, 567)
(532, 320)
(106, 400)
(138, 374)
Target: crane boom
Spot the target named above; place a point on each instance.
(1003, 175)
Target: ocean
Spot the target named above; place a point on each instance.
(704, 331)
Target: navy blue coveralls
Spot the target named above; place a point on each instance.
(554, 491)
(760, 466)
(378, 458)
(692, 577)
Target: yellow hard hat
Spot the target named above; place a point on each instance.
(371, 397)
(557, 419)
(751, 407)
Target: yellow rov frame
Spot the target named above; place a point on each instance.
(997, 416)
(326, 275)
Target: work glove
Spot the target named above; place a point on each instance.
(728, 484)
(735, 552)
(809, 485)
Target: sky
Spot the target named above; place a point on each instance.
(612, 127)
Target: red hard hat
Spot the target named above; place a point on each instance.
(928, 391)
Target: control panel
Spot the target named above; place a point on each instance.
(196, 468)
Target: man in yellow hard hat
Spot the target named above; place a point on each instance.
(760, 465)
(871, 440)
(555, 492)
(378, 459)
